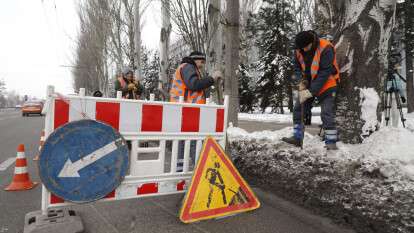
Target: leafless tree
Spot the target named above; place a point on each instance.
(106, 41)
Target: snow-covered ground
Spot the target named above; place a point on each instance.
(390, 149)
(369, 185)
(277, 118)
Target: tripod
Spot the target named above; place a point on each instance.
(389, 91)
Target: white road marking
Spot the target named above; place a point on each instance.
(4, 165)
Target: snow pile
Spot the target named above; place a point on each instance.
(273, 117)
(369, 186)
(369, 102)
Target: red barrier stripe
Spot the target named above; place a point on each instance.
(108, 113)
(147, 188)
(152, 118)
(181, 185)
(55, 199)
(110, 195)
(190, 119)
(61, 113)
(220, 120)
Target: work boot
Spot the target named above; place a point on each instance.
(292, 140)
(330, 139)
(331, 146)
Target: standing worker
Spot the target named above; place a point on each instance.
(317, 73)
(188, 82)
(130, 87)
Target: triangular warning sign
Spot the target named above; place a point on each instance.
(216, 189)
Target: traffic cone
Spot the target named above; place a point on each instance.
(42, 141)
(21, 179)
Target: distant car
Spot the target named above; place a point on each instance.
(18, 106)
(32, 107)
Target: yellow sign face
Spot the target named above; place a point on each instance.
(216, 189)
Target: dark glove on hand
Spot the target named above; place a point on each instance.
(403, 99)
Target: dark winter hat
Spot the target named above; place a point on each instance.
(303, 39)
(196, 55)
(126, 71)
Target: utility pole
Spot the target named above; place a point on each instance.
(137, 39)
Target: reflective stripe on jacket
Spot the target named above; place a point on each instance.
(333, 78)
(178, 88)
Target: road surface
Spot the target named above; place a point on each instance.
(156, 214)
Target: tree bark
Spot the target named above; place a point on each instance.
(214, 47)
(231, 58)
(409, 52)
(361, 29)
(164, 45)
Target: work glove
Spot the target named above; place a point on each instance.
(131, 86)
(303, 85)
(403, 99)
(217, 74)
(304, 95)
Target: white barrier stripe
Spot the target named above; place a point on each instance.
(198, 150)
(207, 120)
(20, 155)
(161, 154)
(174, 154)
(130, 117)
(149, 149)
(186, 155)
(79, 106)
(171, 118)
(20, 170)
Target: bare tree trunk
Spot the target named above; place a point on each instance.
(214, 46)
(231, 58)
(137, 38)
(164, 45)
(361, 29)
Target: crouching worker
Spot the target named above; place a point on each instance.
(317, 73)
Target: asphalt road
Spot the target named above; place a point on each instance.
(156, 214)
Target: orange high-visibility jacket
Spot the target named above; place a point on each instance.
(179, 88)
(333, 78)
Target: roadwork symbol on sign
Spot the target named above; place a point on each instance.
(216, 189)
(83, 161)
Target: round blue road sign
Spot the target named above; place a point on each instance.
(83, 161)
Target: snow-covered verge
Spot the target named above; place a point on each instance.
(369, 186)
(273, 117)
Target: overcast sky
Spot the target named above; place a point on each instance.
(38, 38)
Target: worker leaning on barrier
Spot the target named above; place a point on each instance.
(188, 82)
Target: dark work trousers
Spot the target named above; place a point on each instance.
(327, 112)
(181, 145)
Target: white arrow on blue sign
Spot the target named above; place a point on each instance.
(83, 161)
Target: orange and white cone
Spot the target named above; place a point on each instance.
(21, 179)
(42, 141)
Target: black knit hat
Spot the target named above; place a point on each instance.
(196, 55)
(304, 38)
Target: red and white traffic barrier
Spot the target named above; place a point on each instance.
(42, 141)
(142, 121)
